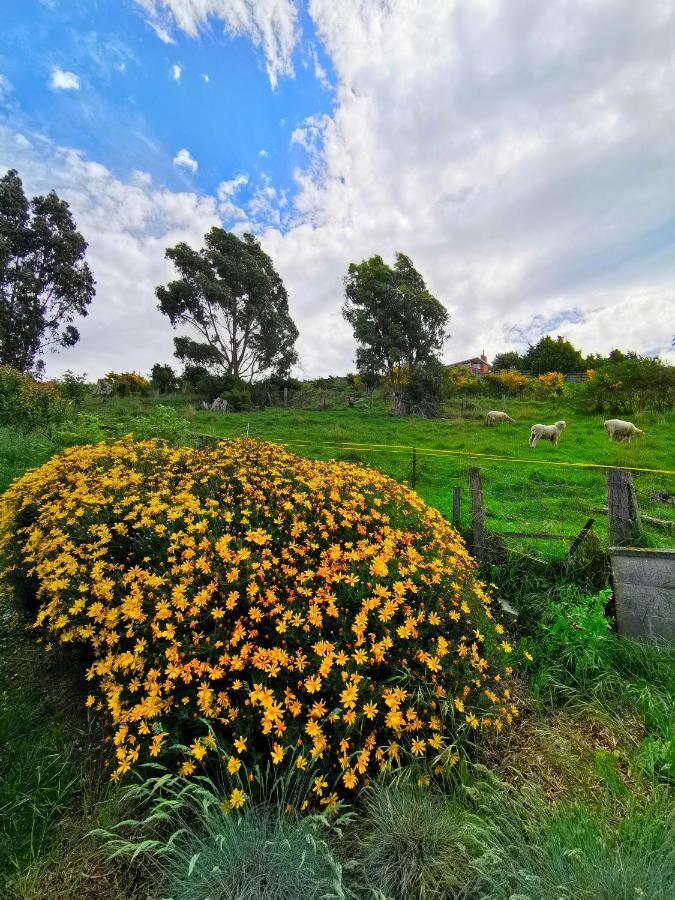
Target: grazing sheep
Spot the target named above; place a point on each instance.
(618, 430)
(546, 433)
(494, 417)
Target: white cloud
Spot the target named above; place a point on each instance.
(205, 78)
(523, 155)
(271, 25)
(64, 81)
(263, 153)
(176, 72)
(227, 190)
(5, 86)
(128, 225)
(183, 159)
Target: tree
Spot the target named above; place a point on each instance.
(396, 321)
(510, 359)
(44, 281)
(232, 298)
(164, 379)
(549, 355)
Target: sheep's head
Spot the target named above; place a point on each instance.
(560, 425)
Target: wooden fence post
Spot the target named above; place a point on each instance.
(622, 508)
(414, 468)
(477, 513)
(456, 500)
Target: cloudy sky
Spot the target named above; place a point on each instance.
(522, 153)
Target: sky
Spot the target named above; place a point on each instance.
(521, 153)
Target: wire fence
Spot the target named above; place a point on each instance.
(536, 506)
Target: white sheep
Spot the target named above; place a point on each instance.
(547, 433)
(618, 430)
(494, 417)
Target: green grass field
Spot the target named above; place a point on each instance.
(526, 492)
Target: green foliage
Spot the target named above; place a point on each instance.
(201, 848)
(44, 281)
(26, 403)
(411, 844)
(73, 388)
(396, 321)
(573, 640)
(164, 379)
(162, 422)
(549, 355)
(230, 294)
(510, 359)
(628, 383)
(427, 388)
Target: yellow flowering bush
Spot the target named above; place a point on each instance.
(548, 386)
(291, 610)
(512, 383)
(125, 383)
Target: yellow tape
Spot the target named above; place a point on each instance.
(430, 451)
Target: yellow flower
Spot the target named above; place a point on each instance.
(240, 744)
(277, 753)
(237, 798)
(233, 765)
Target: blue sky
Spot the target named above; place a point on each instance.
(140, 100)
(521, 153)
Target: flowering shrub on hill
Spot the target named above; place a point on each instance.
(289, 610)
(126, 383)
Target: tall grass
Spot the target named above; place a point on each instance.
(195, 846)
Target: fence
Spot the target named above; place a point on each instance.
(537, 506)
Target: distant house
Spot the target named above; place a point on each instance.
(479, 365)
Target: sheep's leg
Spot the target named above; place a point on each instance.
(533, 440)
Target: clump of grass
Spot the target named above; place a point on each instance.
(568, 852)
(198, 847)
(411, 844)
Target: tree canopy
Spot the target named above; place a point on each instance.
(510, 359)
(396, 321)
(234, 302)
(44, 281)
(549, 355)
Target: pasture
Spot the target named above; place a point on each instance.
(526, 492)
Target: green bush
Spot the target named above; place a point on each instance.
(629, 384)
(162, 422)
(73, 388)
(26, 403)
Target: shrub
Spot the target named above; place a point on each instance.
(160, 422)
(26, 403)
(128, 384)
(164, 379)
(73, 387)
(511, 383)
(279, 602)
(628, 384)
(549, 386)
